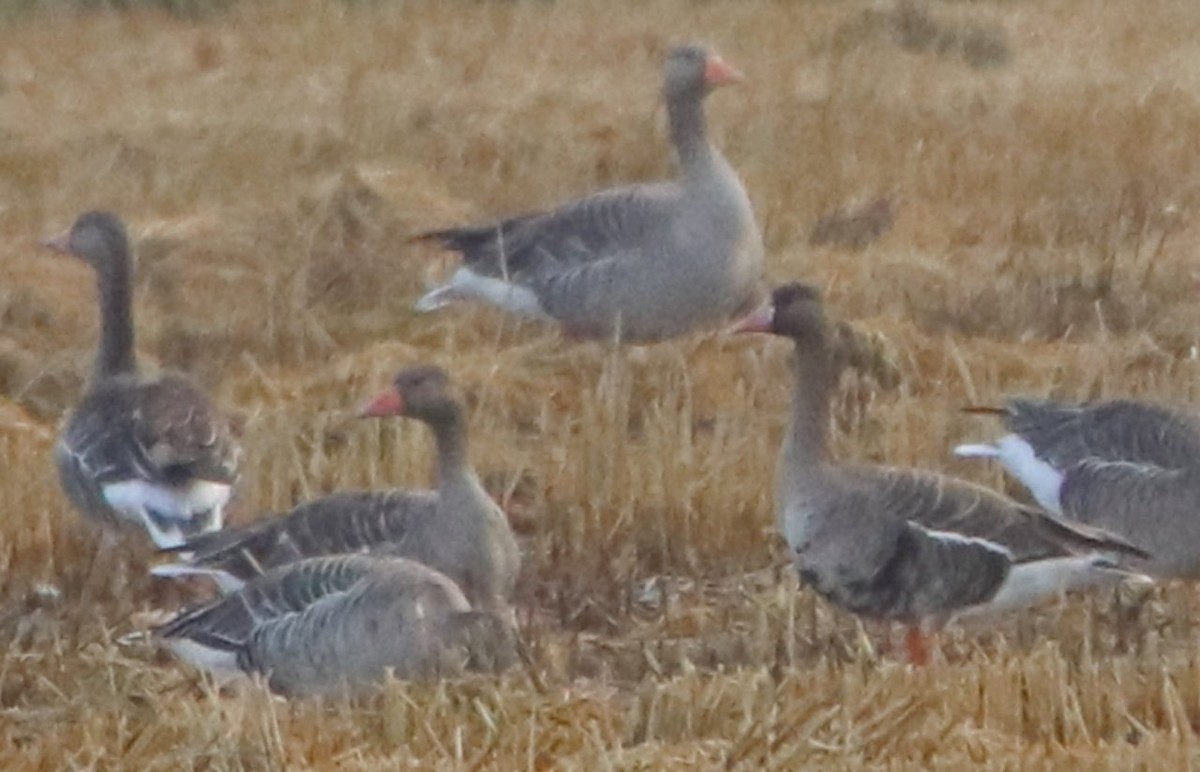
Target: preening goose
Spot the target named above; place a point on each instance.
(906, 544)
(150, 450)
(643, 262)
(457, 529)
(342, 621)
(1126, 466)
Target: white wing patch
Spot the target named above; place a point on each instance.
(174, 508)
(221, 664)
(465, 283)
(1017, 456)
(1033, 583)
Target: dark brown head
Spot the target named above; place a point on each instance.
(693, 70)
(794, 311)
(97, 238)
(422, 392)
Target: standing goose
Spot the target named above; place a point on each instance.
(640, 263)
(1126, 466)
(906, 544)
(341, 621)
(150, 450)
(457, 529)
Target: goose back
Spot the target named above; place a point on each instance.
(640, 263)
(903, 543)
(1124, 466)
(1154, 508)
(343, 621)
(1115, 430)
(456, 529)
(342, 522)
(148, 450)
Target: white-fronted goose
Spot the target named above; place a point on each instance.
(1126, 466)
(342, 621)
(643, 262)
(907, 544)
(149, 450)
(456, 529)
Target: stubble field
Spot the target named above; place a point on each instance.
(1039, 160)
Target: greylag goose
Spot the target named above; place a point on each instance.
(1126, 466)
(906, 544)
(639, 263)
(341, 621)
(150, 450)
(456, 529)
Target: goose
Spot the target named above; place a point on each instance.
(1130, 467)
(457, 529)
(639, 263)
(341, 621)
(907, 544)
(144, 449)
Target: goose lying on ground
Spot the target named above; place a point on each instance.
(457, 529)
(342, 621)
(906, 544)
(1125, 466)
(640, 263)
(145, 449)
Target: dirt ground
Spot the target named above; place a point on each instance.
(999, 195)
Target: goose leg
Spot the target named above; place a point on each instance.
(916, 646)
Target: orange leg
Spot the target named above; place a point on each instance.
(916, 647)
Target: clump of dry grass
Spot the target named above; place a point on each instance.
(272, 163)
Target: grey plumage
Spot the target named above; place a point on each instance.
(342, 522)
(342, 622)
(1153, 507)
(1128, 467)
(1063, 434)
(151, 450)
(642, 262)
(907, 544)
(456, 529)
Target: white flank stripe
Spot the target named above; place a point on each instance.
(1030, 584)
(958, 538)
(1017, 456)
(220, 664)
(977, 451)
(467, 284)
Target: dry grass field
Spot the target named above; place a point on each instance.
(1041, 159)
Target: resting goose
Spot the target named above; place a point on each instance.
(1126, 466)
(456, 529)
(149, 450)
(639, 263)
(906, 544)
(341, 621)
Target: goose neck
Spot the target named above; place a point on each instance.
(116, 352)
(807, 441)
(689, 134)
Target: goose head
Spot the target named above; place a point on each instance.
(97, 238)
(695, 71)
(422, 392)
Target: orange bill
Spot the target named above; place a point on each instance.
(59, 243)
(718, 72)
(384, 404)
(760, 320)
